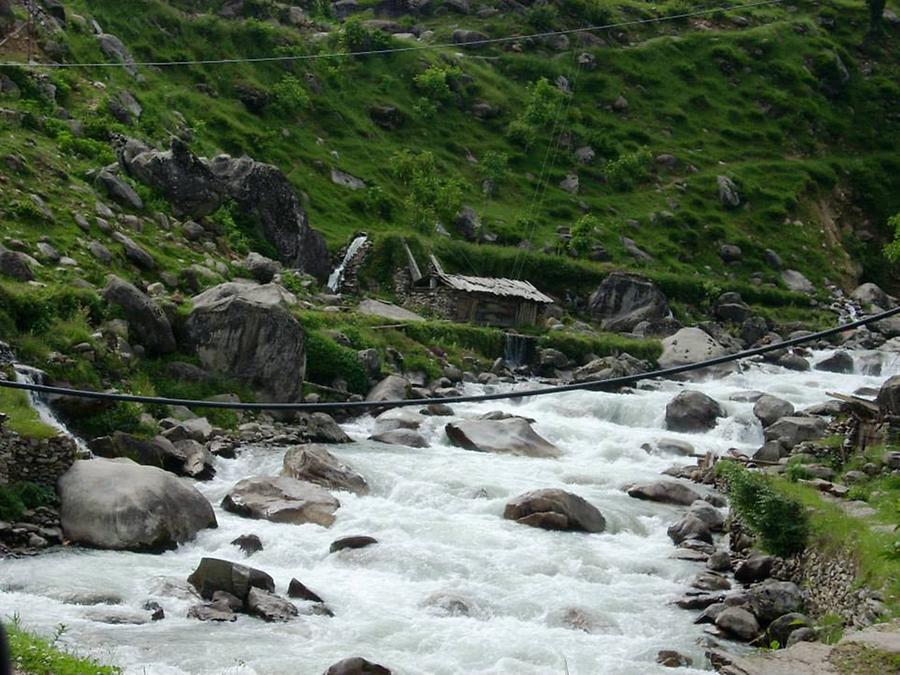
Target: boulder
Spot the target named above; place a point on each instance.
(391, 388)
(780, 629)
(346, 180)
(118, 190)
(215, 575)
(211, 613)
(313, 463)
(245, 331)
(298, 590)
(870, 295)
(264, 193)
(709, 514)
(186, 458)
(248, 543)
(508, 436)
(690, 527)
(730, 253)
(261, 268)
(281, 500)
(354, 542)
(553, 509)
(738, 622)
(467, 37)
(839, 362)
(609, 367)
(269, 607)
(184, 179)
(795, 281)
(407, 437)
(772, 599)
(16, 265)
(149, 324)
(357, 665)
(666, 491)
(793, 430)
(692, 411)
(468, 223)
(769, 409)
(728, 192)
(888, 398)
(134, 252)
(692, 345)
(793, 361)
(320, 427)
(118, 504)
(755, 568)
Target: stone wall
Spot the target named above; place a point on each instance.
(40, 461)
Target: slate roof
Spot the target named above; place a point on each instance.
(507, 288)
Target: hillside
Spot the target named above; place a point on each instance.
(646, 147)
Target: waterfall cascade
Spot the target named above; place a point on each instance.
(519, 349)
(336, 278)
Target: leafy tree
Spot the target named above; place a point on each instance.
(434, 83)
(892, 250)
(584, 234)
(431, 196)
(289, 96)
(628, 170)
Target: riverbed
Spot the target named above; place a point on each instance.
(436, 513)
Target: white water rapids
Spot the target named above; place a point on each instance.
(437, 516)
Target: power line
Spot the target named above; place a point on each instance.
(393, 50)
(590, 385)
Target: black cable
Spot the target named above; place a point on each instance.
(589, 385)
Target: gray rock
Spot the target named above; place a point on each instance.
(769, 409)
(666, 491)
(710, 581)
(888, 398)
(689, 527)
(772, 259)
(553, 509)
(672, 659)
(623, 301)
(298, 590)
(134, 252)
(313, 463)
(261, 268)
(508, 436)
(320, 427)
(118, 190)
(216, 575)
(772, 599)
(357, 666)
(780, 629)
(346, 180)
(709, 514)
(795, 281)
(245, 331)
(468, 223)
(801, 634)
(118, 504)
(191, 460)
(870, 295)
(730, 253)
(281, 499)
(570, 183)
(719, 561)
(193, 231)
(211, 613)
(149, 324)
(16, 265)
(771, 451)
(692, 411)
(691, 345)
(755, 568)
(728, 192)
(269, 606)
(738, 622)
(354, 542)
(609, 367)
(248, 543)
(47, 252)
(793, 361)
(793, 430)
(391, 388)
(113, 48)
(839, 362)
(100, 252)
(467, 37)
(406, 437)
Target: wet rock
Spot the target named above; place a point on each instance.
(709, 514)
(577, 618)
(156, 611)
(117, 504)
(320, 427)
(769, 409)
(793, 361)
(226, 601)
(609, 367)
(710, 581)
(699, 600)
(793, 430)
(281, 500)
(780, 629)
(448, 604)
(357, 666)
(356, 541)
(711, 613)
(771, 599)
(313, 463)
(149, 323)
(839, 362)
(738, 622)
(298, 590)
(622, 301)
(689, 527)
(553, 509)
(692, 411)
(673, 659)
(405, 437)
(755, 568)
(246, 331)
(210, 613)
(117, 617)
(666, 491)
(184, 459)
(215, 574)
(508, 436)
(269, 606)
(248, 543)
(692, 345)
(888, 398)
(719, 561)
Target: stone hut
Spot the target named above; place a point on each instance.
(480, 300)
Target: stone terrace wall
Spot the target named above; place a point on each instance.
(40, 461)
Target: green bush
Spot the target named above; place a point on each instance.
(289, 96)
(431, 196)
(17, 497)
(434, 83)
(629, 170)
(780, 523)
(577, 347)
(326, 361)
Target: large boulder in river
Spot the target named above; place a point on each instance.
(769, 409)
(185, 181)
(281, 499)
(839, 362)
(313, 463)
(692, 345)
(357, 665)
(184, 458)
(264, 193)
(120, 505)
(692, 411)
(555, 510)
(391, 388)
(513, 436)
(888, 398)
(790, 431)
(216, 575)
(665, 491)
(622, 301)
(150, 326)
(245, 331)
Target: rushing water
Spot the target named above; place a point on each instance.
(437, 516)
(337, 275)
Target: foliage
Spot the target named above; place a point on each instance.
(21, 416)
(628, 170)
(430, 196)
(780, 523)
(584, 234)
(289, 96)
(494, 166)
(17, 497)
(356, 37)
(120, 416)
(577, 346)
(327, 361)
(434, 82)
(241, 230)
(33, 655)
(488, 342)
(892, 250)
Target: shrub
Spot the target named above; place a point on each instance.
(289, 96)
(326, 361)
(356, 37)
(628, 170)
(541, 17)
(584, 234)
(780, 523)
(430, 195)
(434, 83)
(17, 497)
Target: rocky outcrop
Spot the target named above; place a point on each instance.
(692, 412)
(622, 301)
(263, 192)
(512, 436)
(117, 504)
(553, 509)
(150, 326)
(245, 331)
(281, 500)
(313, 463)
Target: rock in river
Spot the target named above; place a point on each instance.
(215, 574)
(357, 665)
(692, 411)
(512, 436)
(282, 500)
(117, 504)
(555, 510)
(666, 491)
(313, 463)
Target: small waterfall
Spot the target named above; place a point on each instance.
(28, 375)
(336, 278)
(519, 349)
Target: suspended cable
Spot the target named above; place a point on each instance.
(589, 385)
(391, 50)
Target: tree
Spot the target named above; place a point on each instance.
(892, 250)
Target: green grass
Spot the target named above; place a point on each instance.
(22, 417)
(35, 655)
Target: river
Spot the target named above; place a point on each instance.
(437, 516)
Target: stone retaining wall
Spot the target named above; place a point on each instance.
(40, 461)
